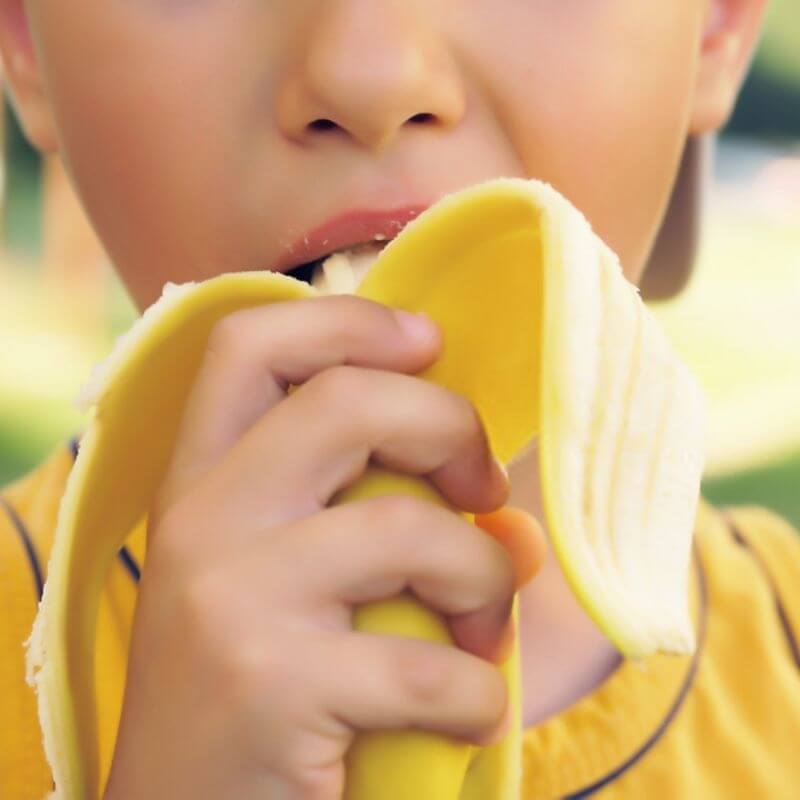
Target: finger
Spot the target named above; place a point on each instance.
(396, 683)
(253, 355)
(373, 549)
(320, 439)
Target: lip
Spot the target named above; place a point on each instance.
(357, 226)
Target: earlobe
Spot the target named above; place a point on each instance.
(673, 256)
(726, 50)
(22, 77)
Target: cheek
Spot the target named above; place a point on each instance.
(595, 97)
(149, 104)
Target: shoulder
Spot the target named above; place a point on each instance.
(29, 507)
(754, 533)
(773, 544)
(750, 556)
(766, 534)
(49, 477)
(28, 513)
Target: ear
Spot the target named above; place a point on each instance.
(23, 79)
(729, 40)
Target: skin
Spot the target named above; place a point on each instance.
(187, 130)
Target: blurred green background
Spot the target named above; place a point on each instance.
(737, 325)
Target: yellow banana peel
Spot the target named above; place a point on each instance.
(553, 346)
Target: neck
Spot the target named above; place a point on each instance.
(564, 655)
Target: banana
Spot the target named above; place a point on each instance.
(553, 346)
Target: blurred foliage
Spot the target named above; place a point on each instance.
(769, 104)
(22, 225)
(780, 55)
(776, 486)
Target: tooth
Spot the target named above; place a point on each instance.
(342, 272)
(335, 275)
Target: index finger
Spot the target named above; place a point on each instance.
(252, 357)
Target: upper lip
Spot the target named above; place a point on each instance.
(353, 227)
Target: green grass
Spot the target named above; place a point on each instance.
(776, 486)
(23, 447)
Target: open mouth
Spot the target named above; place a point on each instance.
(340, 271)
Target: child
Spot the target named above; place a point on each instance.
(214, 136)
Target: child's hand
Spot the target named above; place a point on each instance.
(245, 677)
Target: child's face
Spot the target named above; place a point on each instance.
(191, 127)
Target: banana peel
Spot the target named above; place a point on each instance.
(555, 349)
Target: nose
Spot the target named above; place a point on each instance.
(366, 69)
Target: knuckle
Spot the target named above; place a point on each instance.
(358, 320)
(251, 670)
(349, 305)
(409, 524)
(400, 513)
(466, 420)
(202, 607)
(423, 674)
(228, 334)
(323, 782)
(337, 387)
(211, 619)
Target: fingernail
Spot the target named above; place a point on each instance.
(418, 327)
(501, 467)
(501, 479)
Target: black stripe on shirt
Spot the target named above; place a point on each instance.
(688, 682)
(124, 554)
(783, 617)
(27, 543)
(130, 563)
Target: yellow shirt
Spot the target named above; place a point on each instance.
(724, 723)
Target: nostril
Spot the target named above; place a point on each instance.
(421, 118)
(322, 125)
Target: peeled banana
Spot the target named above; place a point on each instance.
(552, 345)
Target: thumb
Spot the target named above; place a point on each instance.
(521, 534)
(482, 633)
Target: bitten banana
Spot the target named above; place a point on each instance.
(553, 346)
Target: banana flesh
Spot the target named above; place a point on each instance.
(553, 346)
